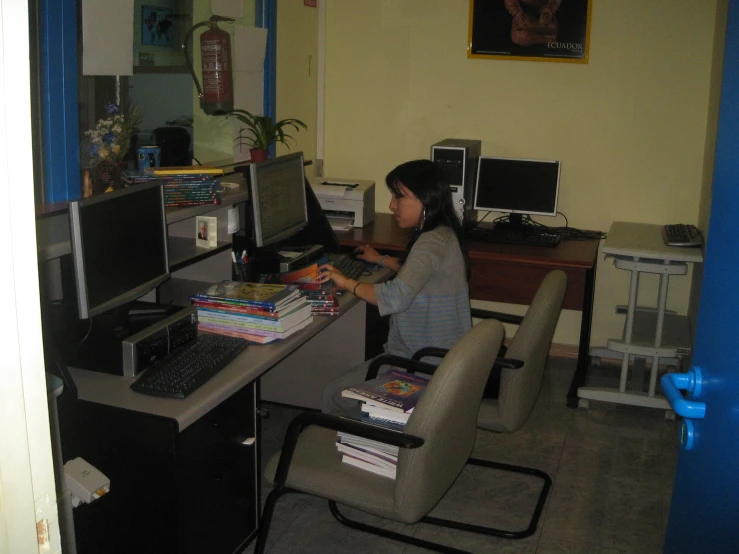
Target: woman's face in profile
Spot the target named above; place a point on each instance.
(406, 207)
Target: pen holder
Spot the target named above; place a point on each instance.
(241, 272)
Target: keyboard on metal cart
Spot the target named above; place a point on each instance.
(531, 237)
(347, 265)
(184, 370)
(681, 234)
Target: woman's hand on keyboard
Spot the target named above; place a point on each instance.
(327, 272)
(368, 254)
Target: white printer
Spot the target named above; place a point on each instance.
(346, 202)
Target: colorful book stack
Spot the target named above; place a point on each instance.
(388, 400)
(183, 186)
(258, 312)
(320, 296)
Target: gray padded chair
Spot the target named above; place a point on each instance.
(519, 388)
(520, 383)
(435, 446)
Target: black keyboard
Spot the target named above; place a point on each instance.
(348, 266)
(680, 234)
(531, 237)
(184, 370)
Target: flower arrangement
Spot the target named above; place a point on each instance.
(111, 138)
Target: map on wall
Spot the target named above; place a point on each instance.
(157, 26)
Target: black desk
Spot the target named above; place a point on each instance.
(185, 474)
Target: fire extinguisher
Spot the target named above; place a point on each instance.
(217, 93)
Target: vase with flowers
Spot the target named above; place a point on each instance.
(108, 144)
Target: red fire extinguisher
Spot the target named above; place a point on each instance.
(217, 93)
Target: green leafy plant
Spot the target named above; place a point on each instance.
(263, 131)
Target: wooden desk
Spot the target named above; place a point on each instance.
(510, 273)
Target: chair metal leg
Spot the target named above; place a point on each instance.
(266, 521)
(533, 522)
(341, 518)
(530, 530)
(269, 508)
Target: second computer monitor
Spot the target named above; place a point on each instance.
(277, 190)
(517, 186)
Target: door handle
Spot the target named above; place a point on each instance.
(673, 383)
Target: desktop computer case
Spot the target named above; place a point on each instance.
(458, 159)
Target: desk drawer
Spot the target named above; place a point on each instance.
(516, 283)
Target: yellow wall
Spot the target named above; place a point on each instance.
(297, 63)
(629, 127)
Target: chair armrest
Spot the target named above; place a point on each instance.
(500, 316)
(500, 363)
(337, 423)
(406, 363)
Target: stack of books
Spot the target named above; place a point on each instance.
(258, 312)
(388, 400)
(183, 186)
(320, 296)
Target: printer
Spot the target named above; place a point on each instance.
(346, 202)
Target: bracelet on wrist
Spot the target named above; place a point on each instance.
(354, 290)
(382, 260)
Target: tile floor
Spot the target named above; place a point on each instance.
(612, 467)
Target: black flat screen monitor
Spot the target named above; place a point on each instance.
(119, 247)
(517, 186)
(277, 191)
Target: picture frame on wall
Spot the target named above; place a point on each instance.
(158, 26)
(532, 30)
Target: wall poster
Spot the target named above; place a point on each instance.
(538, 30)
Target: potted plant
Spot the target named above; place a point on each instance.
(263, 132)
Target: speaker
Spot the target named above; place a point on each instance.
(458, 159)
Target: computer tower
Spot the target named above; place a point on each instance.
(458, 159)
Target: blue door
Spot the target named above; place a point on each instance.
(704, 514)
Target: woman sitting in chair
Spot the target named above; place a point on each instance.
(428, 300)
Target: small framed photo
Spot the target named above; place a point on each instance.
(206, 231)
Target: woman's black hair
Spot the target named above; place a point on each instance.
(428, 183)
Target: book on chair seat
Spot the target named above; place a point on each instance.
(394, 390)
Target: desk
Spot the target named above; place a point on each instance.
(185, 474)
(509, 273)
(649, 332)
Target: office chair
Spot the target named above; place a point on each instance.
(435, 446)
(519, 387)
(175, 145)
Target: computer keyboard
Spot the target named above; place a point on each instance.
(189, 367)
(347, 265)
(680, 234)
(531, 237)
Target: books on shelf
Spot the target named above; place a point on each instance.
(185, 170)
(320, 295)
(246, 321)
(394, 390)
(183, 186)
(258, 295)
(254, 335)
(256, 312)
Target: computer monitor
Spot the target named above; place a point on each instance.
(277, 191)
(119, 247)
(517, 186)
